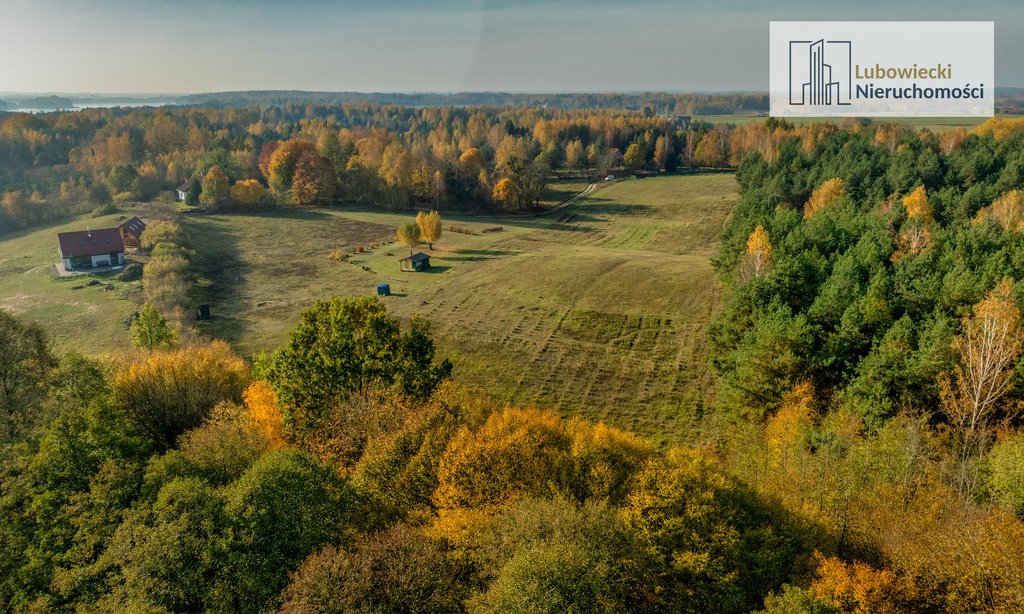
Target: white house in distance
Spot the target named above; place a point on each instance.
(185, 187)
(90, 249)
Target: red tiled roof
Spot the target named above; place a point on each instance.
(90, 242)
(134, 227)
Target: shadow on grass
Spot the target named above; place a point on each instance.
(286, 213)
(436, 268)
(221, 280)
(475, 255)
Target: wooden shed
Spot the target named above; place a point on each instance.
(416, 263)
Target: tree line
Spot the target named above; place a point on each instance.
(484, 158)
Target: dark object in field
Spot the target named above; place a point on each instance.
(383, 290)
(93, 282)
(78, 287)
(204, 312)
(493, 229)
(262, 303)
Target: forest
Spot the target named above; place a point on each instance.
(475, 158)
(862, 450)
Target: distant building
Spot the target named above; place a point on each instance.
(185, 187)
(415, 263)
(131, 232)
(89, 249)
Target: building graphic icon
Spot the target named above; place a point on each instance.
(820, 73)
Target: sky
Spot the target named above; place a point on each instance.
(194, 46)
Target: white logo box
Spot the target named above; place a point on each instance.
(882, 68)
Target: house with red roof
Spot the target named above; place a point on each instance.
(90, 249)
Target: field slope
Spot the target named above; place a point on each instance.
(598, 310)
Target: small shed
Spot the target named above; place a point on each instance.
(131, 232)
(383, 290)
(416, 263)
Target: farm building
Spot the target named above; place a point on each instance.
(88, 249)
(184, 188)
(131, 232)
(415, 263)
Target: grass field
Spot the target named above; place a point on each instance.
(598, 310)
(90, 320)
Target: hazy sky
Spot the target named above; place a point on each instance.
(190, 46)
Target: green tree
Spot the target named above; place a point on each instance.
(398, 570)
(215, 188)
(194, 192)
(635, 158)
(123, 178)
(344, 347)
(409, 234)
(25, 366)
(150, 330)
(286, 506)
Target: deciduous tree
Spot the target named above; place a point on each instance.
(824, 195)
(409, 234)
(215, 188)
(430, 227)
(149, 329)
(987, 347)
(25, 366)
(917, 204)
(167, 393)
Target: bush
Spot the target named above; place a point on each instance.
(399, 570)
(131, 272)
(1006, 475)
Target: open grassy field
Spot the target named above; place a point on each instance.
(600, 309)
(90, 320)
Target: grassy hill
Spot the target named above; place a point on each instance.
(599, 310)
(89, 319)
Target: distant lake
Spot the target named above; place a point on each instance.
(93, 105)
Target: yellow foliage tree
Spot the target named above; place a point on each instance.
(430, 226)
(826, 194)
(759, 252)
(987, 349)
(264, 412)
(784, 431)
(166, 393)
(917, 204)
(249, 193)
(502, 190)
(1007, 210)
(517, 454)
